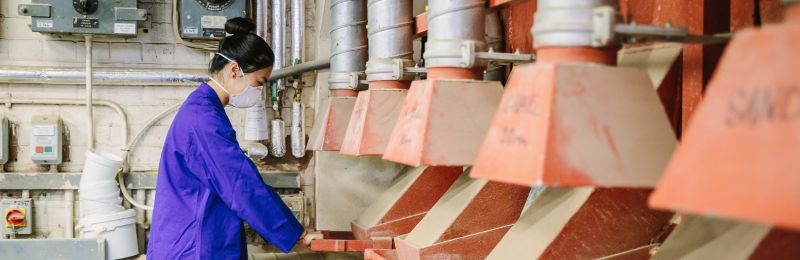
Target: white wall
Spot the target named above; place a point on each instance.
(19, 47)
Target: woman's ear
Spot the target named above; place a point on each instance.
(234, 68)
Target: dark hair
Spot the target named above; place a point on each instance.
(243, 46)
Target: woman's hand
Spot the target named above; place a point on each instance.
(310, 235)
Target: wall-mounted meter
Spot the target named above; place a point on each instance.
(46, 140)
(205, 19)
(117, 17)
(4, 140)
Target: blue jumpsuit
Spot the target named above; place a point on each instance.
(207, 186)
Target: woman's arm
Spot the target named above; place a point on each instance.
(229, 173)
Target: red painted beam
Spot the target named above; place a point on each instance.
(700, 17)
(344, 245)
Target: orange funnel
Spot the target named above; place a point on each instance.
(739, 155)
(577, 124)
(443, 121)
(330, 127)
(375, 114)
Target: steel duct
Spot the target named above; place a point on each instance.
(450, 23)
(348, 43)
(391, 34)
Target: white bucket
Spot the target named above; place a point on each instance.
(118, 229)
(100, 166)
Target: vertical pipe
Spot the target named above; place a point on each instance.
(89, 107)
(450, 24)
(140, 213)
(298, 131)
(298, 30)
(348, 42)
(391, 35)
(297, 134)
(260, 18)
(151, 198)
(278, 25)
(69, 212)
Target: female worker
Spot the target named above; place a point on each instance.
(206, 185)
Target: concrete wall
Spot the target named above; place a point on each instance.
(153, 48)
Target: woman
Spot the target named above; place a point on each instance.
(206, 185)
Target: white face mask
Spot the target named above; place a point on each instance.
(249, 97)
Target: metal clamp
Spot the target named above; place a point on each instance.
(345, 80)
(469, 56)
(668, 33)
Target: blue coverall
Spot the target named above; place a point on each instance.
(207, 186)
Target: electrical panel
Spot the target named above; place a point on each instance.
(17, 216)
(4, 140)
(114, 17)
(205, 19)
(46, 140)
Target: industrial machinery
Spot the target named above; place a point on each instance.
(113, 17)
(205, 19)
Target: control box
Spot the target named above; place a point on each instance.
(114, 17)
(46, 140)
(17, 216)
(205, 19)
(4, 140)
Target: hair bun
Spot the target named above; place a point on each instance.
(239, 26)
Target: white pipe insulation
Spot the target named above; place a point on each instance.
(297, 134)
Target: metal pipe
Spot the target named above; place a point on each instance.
(125, 77)
(391, 35)
(348, 43)
(278, 26)
(298, 30)
(260, 18)
(128, 77)
(299, 69)
(450, 23)
(140, 213)
(9, 101)
(89, 107)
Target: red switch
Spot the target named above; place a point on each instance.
(39, 149)
(16, 218)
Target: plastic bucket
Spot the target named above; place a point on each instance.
(100, 166)
(118, 229)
